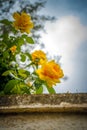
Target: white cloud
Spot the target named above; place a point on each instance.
(64, 38)
(65, 35)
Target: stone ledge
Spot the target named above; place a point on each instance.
(44, 103)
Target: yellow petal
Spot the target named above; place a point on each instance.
(16, 16)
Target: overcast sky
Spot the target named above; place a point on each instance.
(68, 37)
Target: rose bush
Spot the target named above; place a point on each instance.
(32, 71)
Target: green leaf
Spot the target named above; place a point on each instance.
(16, 90)
(40, 90)
(51, 90)
(22, 73)
(7, 72)
(29, 56)
(10, 85)
(5, 37)
(25, 89)
(30, 40)
(27, 73)
(5, 21)
(23, 57)
(20, 41)
(24, 36)
(20, 88)
(5, 54)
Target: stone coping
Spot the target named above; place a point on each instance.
(44, 103)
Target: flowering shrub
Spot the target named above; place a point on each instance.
(37, 73)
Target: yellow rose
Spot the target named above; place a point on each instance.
(38, 57)
(22, 22)
(50, 72)
(13, 49)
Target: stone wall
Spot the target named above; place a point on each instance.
(44, 103)
(43, 112)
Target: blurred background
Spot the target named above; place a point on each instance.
(60, 28)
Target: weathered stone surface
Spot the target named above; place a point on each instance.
(43, 112)
(43, 121)
(44, 103)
